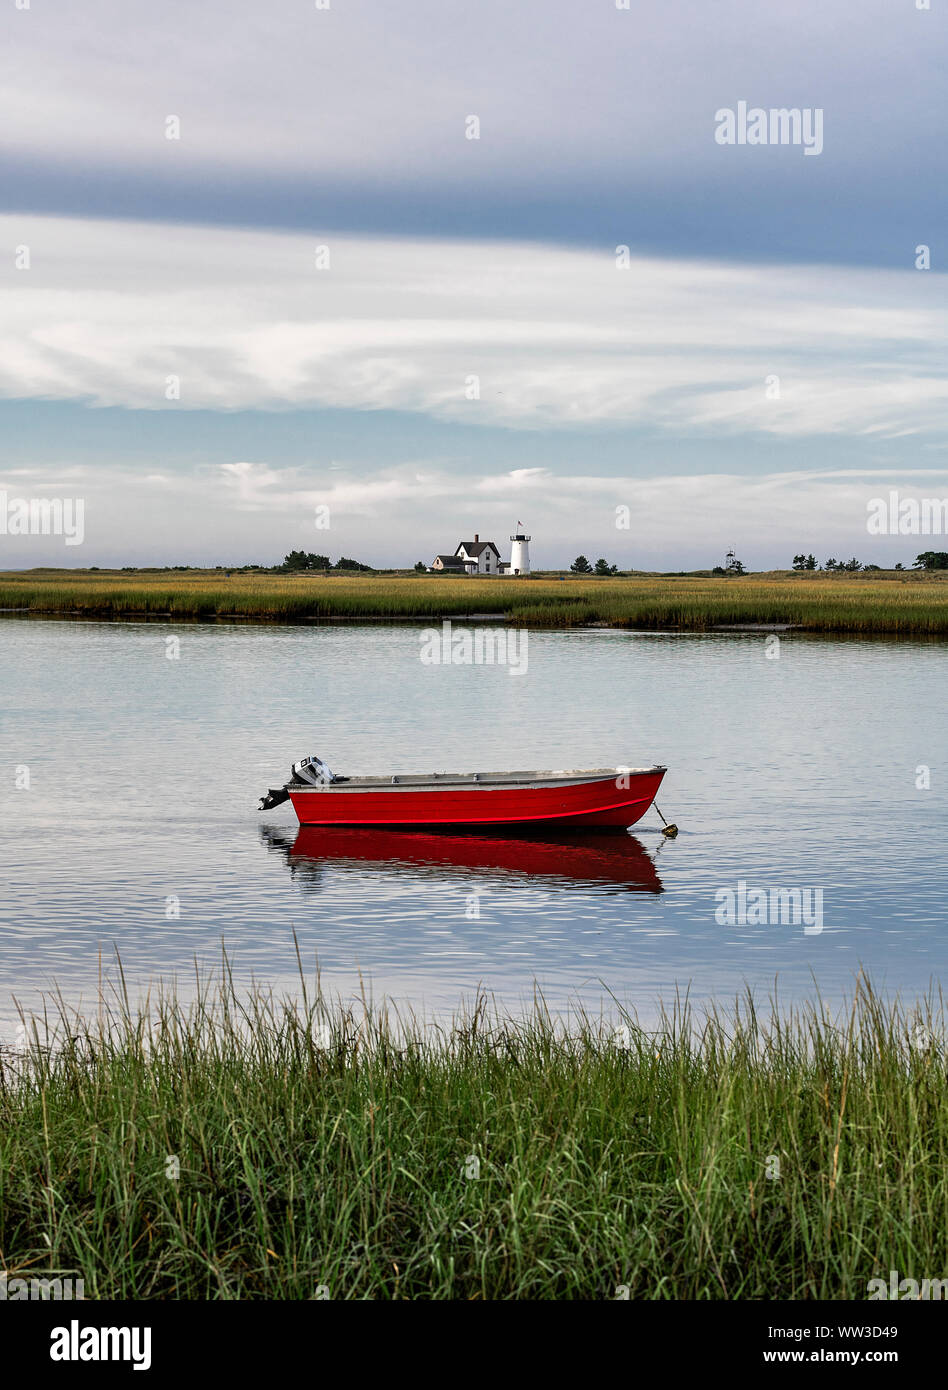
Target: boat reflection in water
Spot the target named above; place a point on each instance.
(571, 860)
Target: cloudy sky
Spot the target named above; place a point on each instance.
(320, 292)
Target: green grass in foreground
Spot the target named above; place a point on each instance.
(879, 602)
(338, 1159)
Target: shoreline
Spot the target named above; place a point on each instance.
(373, 620)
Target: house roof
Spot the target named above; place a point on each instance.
(478, 547)
(454, 561)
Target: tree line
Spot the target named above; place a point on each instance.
(300, 560)
(305, 560)
(928, 560)
(582, 566)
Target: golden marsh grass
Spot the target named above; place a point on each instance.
(878, 602)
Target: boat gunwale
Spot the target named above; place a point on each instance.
(475, 781)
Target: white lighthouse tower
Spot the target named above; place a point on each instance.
(519, 553)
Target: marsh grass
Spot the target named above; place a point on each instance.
(884, 602)
(327, 1147)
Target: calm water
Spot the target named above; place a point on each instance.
(797, 772)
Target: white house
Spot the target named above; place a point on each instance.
(479, 557)
(483, 557)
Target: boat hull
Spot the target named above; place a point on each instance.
(612, 801)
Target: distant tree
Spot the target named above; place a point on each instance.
(719, 569)
(851, 565)
(871, 567)
(804, 562)
(581, 566)
(343, 563)
(932, 560)
(832, 565)
(421, 567)
(604, 567)
(899, 566)
(303, 560)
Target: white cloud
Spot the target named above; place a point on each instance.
(249, 511)
(111, 312)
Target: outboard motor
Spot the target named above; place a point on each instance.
(314, 771)
(310, 771)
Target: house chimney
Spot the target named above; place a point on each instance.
(476, 538)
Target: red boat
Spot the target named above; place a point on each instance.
(605, 797)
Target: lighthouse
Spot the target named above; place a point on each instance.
(519, 553)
